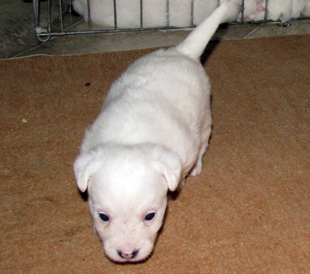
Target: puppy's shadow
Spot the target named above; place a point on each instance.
(209, 50)
(213, 43)
(83, 195)
(173, 195)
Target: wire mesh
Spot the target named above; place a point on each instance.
(57, 18)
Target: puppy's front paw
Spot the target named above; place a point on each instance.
(196, 170)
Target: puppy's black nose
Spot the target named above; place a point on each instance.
(128, 255)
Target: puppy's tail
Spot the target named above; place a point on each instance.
(195, 43)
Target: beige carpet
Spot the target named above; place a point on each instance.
(248, 212)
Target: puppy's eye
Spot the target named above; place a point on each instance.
(149, 216)
(104, 217)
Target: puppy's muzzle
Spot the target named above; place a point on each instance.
(127, 255)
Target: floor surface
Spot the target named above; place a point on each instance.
(247, 212)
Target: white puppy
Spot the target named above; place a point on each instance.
(298, 7)
(306, 11)
(159, 13)
(276, 10)
(152, 132)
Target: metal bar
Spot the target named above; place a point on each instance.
(89, 16)
(192, 13)
(70, 6)
(37, 28)
(266, 10)
(49, 16)
(61, 15)
(36, 12)
(111, 31)
(242, 11)
(115, 14)
(141, 14)
(167, 13)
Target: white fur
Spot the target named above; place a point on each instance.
(152, 132)
(306, 11)
(279, 10)
(235, 9)
(282, 10)
(298, 6)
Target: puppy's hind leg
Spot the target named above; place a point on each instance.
(205, 136)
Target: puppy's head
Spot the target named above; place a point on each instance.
(127, 188)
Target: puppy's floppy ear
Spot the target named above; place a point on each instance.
(84, 166)
(169, 164)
